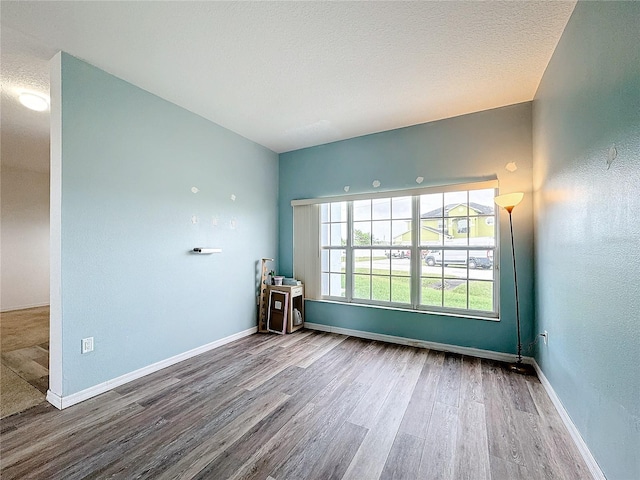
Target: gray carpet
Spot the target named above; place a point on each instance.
(16, 394)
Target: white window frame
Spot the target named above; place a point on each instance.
(314, 250)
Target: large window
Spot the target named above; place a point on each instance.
(458, 271)
(428, 251)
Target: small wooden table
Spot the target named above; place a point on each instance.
(296, 300)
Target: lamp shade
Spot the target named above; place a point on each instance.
(509, 200)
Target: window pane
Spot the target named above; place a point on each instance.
(431, 293)
(455, 293)
(398, 253)
(361, 210)
(431, 205)
(324, 212)
(380, 288)
(338, 234)
(455, 204)
(401, 289)
(401, 207)
(433, 258)
(401, 263)
(336, 285)
(401, 232)
(361, 233)
(482, 231)
(481, 296)
(381, 233)
(429, 266)
(456, 211)
(455, 263)
(481, 264)
(462, 225)
(324, 260)
(381, 265)
(433, 227)
(458, 232)
(324, 235)
(325, 283)
(339, 212)
(362, 286)
(362, 261)
(481, 202)
(455, 271)
(337, 261)
(381, 208)
(432, 232)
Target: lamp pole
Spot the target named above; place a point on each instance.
(515, 281)
(508, 201)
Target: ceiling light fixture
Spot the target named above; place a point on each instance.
(34, 101)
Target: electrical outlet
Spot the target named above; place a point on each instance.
(87, 345)
(545, 336)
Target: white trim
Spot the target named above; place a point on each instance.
(55, 400)
(591, 462)
(398, 308)
(413, 342)
(61, 402)
(24, 307)
(55, 226)
(481, 184)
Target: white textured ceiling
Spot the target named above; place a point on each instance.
(24, 133)
(289, 75)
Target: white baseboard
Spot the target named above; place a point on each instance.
(593, 466)
(412, 342)
(54, 399)
(68, 400)
(24, 307)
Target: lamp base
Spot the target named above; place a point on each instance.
(522, 369)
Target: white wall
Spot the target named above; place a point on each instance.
(24, 258)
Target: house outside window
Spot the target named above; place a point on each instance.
(372, 254)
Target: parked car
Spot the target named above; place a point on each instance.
(477, 258)
(398, 253)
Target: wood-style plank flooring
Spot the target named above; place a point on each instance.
(309, 405)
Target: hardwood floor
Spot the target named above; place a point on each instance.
(309, 405)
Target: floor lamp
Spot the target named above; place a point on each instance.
(508, 202)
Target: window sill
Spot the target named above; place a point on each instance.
(410, 310)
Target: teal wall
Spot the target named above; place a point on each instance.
(588, 229)
(455, 150)
(129, 161)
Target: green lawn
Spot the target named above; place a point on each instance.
(480, 295)
(397, 288)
